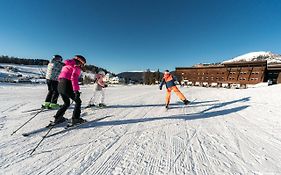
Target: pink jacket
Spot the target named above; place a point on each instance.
(99, 79)
(71, 72)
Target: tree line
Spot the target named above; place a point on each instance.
(152, 77)
(23, 61)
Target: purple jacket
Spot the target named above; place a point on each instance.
(71, 72)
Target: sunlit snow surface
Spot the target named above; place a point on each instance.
(224, 131)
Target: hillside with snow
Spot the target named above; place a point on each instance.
(257, 56)
(16, 73)
(223, 131)
(27, 73)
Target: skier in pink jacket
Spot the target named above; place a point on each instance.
(99, 94)
(68, 88)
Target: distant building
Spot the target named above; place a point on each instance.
(117, 80)
(274, 73)
(228, 74)
(107, 77)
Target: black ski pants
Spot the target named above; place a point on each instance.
(66, 91)
(53, 93)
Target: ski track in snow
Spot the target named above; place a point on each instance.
(223, 131)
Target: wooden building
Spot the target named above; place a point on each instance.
(235, 73)
(274, 73)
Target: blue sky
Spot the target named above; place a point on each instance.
(124, 35)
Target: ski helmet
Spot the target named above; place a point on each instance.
(57, 57)
(166, 72)
(102, 73)
(80, 58)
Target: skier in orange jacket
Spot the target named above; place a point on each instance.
(169, 80)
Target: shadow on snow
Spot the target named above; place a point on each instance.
(207, 113)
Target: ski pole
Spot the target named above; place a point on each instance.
(42, 139)
(90, 100)
(27, 121)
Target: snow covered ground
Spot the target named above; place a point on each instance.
(224, 131)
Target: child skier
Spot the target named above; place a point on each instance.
(68, 88)
(99, 92)
(53, 71)
(169, 80)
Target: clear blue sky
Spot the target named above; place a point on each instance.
(122, 35)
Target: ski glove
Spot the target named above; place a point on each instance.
(160, 87)
(77, 95)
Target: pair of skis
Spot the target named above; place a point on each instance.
(37, 111)
(66, 129)
(167, 108)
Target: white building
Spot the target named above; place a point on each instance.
(116, 80)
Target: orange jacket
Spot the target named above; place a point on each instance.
(169, 80)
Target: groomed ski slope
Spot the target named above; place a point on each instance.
(224, 131)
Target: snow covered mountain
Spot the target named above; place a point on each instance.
(257, 56)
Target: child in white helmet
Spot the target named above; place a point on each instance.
(98, 97)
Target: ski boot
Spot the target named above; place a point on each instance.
(46, 105)
(186, 102)
(54, 106)
(57, 121)
(102, 105)
(77, 121)
(90, 105)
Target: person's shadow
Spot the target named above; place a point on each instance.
(207, 113)
(172, 105)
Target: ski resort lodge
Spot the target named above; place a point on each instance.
(238, 74)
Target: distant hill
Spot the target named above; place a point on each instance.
(137, 77)
(257, 56)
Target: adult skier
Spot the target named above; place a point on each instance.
(53, 71)
(169, 80)
(68, 88)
